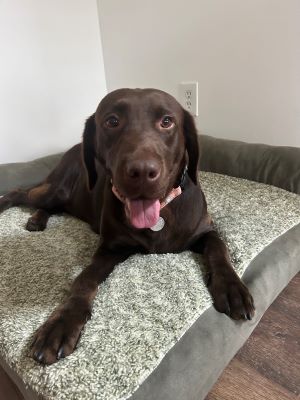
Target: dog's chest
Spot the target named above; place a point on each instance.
(180, 222)
(172, 234)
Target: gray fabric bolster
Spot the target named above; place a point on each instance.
(26, 174)
(274, 165)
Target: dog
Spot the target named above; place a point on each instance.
(134, 180)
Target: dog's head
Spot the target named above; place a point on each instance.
(144, 139)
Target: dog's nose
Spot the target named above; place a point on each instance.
(143, 170)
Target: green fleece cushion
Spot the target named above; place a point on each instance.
(141, 310)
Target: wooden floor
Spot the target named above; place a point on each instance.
(266, 368)
(268, 365)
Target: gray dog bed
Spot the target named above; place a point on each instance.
(154, 333)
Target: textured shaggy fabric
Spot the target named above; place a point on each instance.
(141, 310)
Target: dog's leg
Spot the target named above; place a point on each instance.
(58, 336)
(40, 196)
(46, 197)
(229, 294)
(13, 198)
(38, 220)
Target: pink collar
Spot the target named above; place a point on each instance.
(171, 196)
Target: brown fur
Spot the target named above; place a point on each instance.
(145, 159)
(39, 191)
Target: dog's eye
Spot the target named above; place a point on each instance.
(112, 122)
(166, 122)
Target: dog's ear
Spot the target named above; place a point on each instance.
(191, 144)
(88, 150)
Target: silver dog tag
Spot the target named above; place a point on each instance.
(159, 225)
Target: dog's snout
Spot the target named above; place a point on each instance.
(143, 170)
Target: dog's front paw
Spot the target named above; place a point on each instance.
(58, 336)
(232, 297)
(34, 225)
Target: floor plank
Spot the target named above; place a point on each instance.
(241, 382)
(274, 350)
(268, 365)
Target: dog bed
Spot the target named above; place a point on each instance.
(154, 333)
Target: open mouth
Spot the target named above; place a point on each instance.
(142, 213)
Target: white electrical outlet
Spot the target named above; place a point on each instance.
(188, 96)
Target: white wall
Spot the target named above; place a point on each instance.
(51, 74)
(244, 53)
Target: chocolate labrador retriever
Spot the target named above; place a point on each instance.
(134, 180)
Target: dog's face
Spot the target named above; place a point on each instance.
(141, 137)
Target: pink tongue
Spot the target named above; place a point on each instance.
(143, 213)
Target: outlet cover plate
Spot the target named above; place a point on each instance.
(188, 96)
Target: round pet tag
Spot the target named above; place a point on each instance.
(159, 225)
